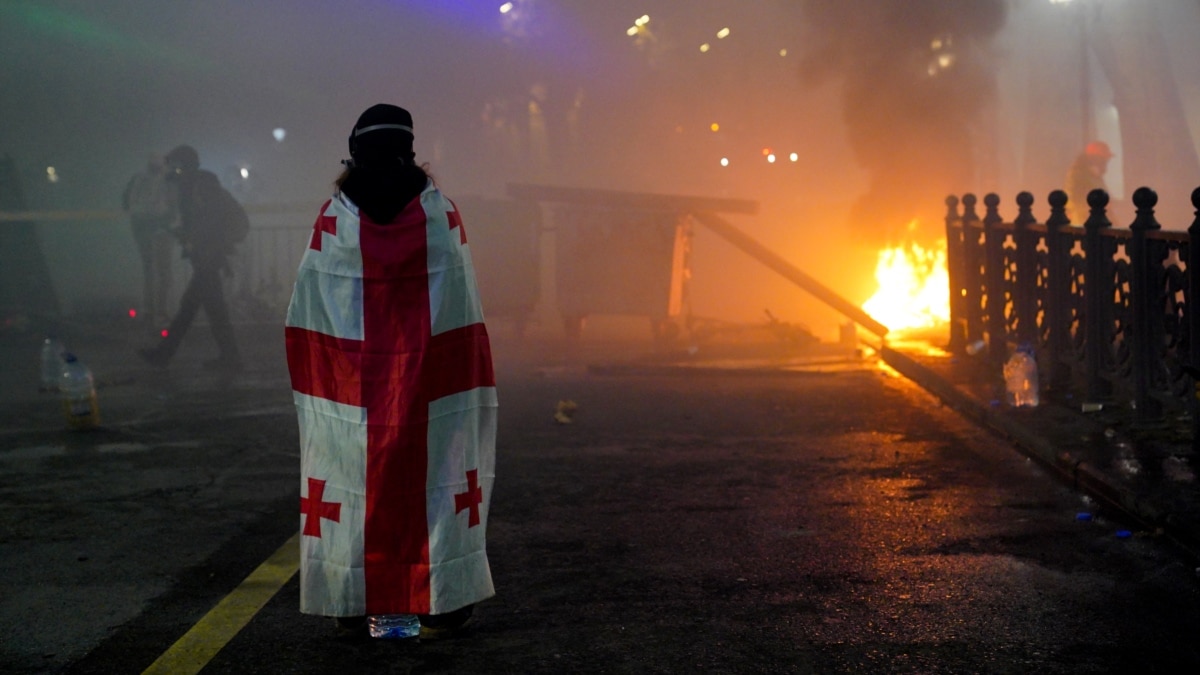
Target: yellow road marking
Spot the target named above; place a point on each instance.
(210, 634)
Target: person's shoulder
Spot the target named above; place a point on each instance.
(204, 176)
(339, 201)
(430, 190)
(207, 184)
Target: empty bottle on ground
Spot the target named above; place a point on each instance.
(394, 626)
(78, 394)
(1021, 378)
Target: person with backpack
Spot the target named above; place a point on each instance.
(149, 201)
(211, 225)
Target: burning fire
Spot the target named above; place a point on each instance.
(914, 287)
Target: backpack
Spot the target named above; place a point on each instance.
(231, 217)
(148, 195)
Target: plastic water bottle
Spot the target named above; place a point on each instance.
(394, 626)
(1021, 378)
(78, 394)
(52, 364)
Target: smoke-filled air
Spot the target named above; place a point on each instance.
(826, 131)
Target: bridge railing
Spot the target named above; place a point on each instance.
(1110, 312)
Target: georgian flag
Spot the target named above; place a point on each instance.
(392, 376)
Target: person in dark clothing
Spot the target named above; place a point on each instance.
(207, 247)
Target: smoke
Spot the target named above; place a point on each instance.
(915, 78)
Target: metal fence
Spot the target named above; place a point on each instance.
(262, 270)
(1109, 311)
(264, 267)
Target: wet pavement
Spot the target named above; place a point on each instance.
(1145, 468)
(721, 511)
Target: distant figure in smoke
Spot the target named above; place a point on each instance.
(392, 375)
(207, 214)
(149, 200)
(1086, 174)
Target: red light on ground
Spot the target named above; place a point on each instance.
(164, 332)
(132, 313)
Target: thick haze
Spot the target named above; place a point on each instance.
(889, 104)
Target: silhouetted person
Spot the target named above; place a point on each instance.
(396, 397)
(150, 202)
(205, 210)
(1086, 174)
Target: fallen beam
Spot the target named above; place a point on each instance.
(789, 271)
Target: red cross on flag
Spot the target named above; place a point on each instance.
(392, 375)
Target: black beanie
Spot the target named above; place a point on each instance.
(184, 156)
(382, 135)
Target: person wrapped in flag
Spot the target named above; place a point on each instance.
(395, 394)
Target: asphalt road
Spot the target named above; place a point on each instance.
(825, 520)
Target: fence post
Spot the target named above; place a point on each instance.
(954, 241)
(1058, 295)
(1193, 317)
(993, 241)
(1145, 290)
(1025, 294)
(971, 277)
(1098, 293)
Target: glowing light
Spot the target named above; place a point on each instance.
(279, 133)
(642, 20)
(704, 48)
(783, 52)
(132, 313)
(51, 174)
(506, 8)
(936, 44)
(945, 60)
(771, 158)
(715, 127)
(245, 172)
(766, 151)
(723, 33)
(795, 156)
(724, 161)
(164, 332)
(914, 288)
(631, 31)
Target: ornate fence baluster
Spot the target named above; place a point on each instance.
(994, 278)
(1058, 295)
(954, 244)
(1025, 297)
(1191, 306)
(1145, 292)
(971, 265)
(1098, 292)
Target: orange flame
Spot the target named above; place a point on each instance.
(914, 287)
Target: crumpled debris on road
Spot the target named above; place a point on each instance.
(564, 412)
